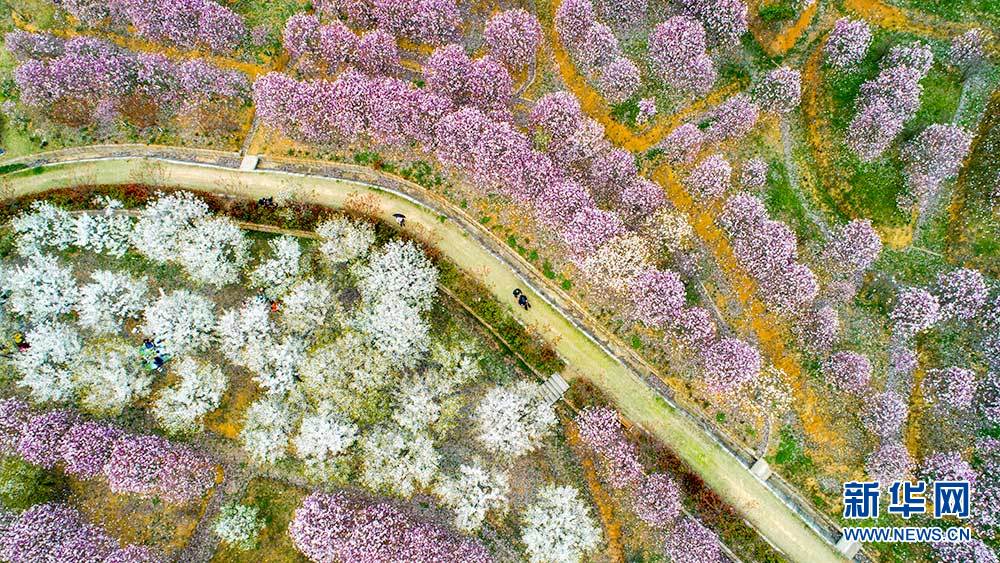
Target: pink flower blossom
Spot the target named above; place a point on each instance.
(657, 297)
(691, 542)
(889, 463)
(847, 43)
(513, 37)
(848, 371)
(884, 414)
(657, 501)
(729, 364)
(710, 178)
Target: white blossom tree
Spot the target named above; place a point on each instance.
(109, 376)
(399, 461)
(250, 339)
(457, 364)
(558, 527)
(156, 233)
(512, 421)
(46, 226)
(344, 370)
(181, 407)
(417, 407)
(472, 493)
(395, 328)
(269, 424)
(109, 300)
(399, 270)
(276, 275)
(345, 240)
(106, 232)
(239, 525)
(45, 367)
(41, 289)
(213, 251)
(324, 435)
(180, 322)
(305, 306)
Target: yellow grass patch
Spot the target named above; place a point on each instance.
(135, 520)
(277, 503)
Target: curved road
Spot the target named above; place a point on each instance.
(587, 351)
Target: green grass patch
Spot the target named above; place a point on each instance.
(791, 456)
(626, 112)
(874, 188)
(777, 12)
(23, 485)
(782, 202)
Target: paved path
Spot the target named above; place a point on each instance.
(583, 345)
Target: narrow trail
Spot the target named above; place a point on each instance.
(771, 332)
(904, 19)
(771, 508)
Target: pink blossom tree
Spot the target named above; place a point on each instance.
(853, 249)
(682, 145)
(847, 43)
(689, 540)
(951, 387)
(889, 463)
(557, 115)
(884, 414)
(40, 436)
(14, 414)
(677, 50)
(602, 432)
(558, 203)
(962, 293)
(589, 229)
(513, 37)
(573, 19)
(753, 174)
(726, 20)
(848, 371)
(657, 297)
(619, 80)
(914, 311)
(732, 119)
(729, 364)
(779, 91)
(86, 447)
(710, 179)
(657, 501)
(934, 156)
(377, 53)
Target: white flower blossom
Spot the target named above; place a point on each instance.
(181, 407)
(472, 493)
(345, 240)
(277, 274)
(156, 234)
(110, 376)
(180, 322)
(109, 300)
(323, 436)
(41, 289)
(558, 527)
(512, 421)
(268, 425)
(47, 226)
(107, 232)
(213, 251)
(399, 461)
(45, 367)
(399, 270)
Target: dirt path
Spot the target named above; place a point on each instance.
(464, 242)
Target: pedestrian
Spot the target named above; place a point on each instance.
(523, 302)
(517, 292)
(400, 218)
